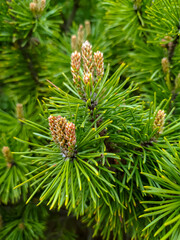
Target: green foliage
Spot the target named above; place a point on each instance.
(145, 32)
(24, 23)
(85, 137)
(23, 223)
(163, 16)
(27, 38)
(83, 172)
(126, 15)
(60, 52)
(167, 210)
(12, 172)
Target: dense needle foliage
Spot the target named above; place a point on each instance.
(89, 119)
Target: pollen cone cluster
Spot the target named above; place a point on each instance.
(37, 6)
(19, 111)
(63, 134)
(81, 35)
(99, 63)
(165, 64)
(7, 155)
(159, 121)
(93, 66)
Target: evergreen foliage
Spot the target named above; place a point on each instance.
(89, 119)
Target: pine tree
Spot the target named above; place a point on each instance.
(89, 119)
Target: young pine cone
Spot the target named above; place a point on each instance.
(159, 121)
(63, 134)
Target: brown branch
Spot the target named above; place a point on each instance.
(26, 55)
(72, 16)
(172, 48)
(30, 64)
(28, 58)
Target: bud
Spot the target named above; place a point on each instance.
(159, 121)
(70, 135)
(87, 28)
(170, 46)
(87, 78)
(19, 111)
(87, 57)
(63, 133)
(99, 63)
(7, 155)
(177, 82)
(165, 41)
(165, 64)
(89, 66)
(33, 6)
(42, 5)
(21, 226)
(37, 6)
(80, 35)
(34, 41)
(73, 42)
(52, 126)
(75, 65)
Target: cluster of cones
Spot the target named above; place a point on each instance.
(63, 133)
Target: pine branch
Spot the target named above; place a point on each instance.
(171, 51)
(26, 55)
(29, 62)
(173, 47)
(72, 16)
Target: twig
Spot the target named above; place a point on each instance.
(30, 64)
(171, 51)
(72, 15)
(172, 48)
(26, 55)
